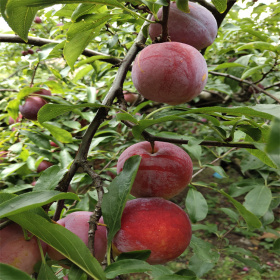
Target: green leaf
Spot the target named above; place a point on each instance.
(228, 65)
(46, 273)
(139, 255)
(51, 111)
(196, 205)
(114, 201)
(199, 266)
(220, 5)
(233, 215)
(251, 220)
(252, 71)
(32, 200)
(75, 273)
(262, 46)
(126, 117)
(273, 144)
(217, 169)
(81, 10)
(59, 134)
(9, 272)
(254, 132)
(49, 178)
(81, 33)
(143, 124)
(11, 169)
(258, 200)
(18, 188)
(183, 5)
(247, 262)
(63, 240)
(126, 267)
(175, 277)
(203, 250)
(38, 139)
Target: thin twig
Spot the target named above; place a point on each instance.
(212, 162)
(245, 82)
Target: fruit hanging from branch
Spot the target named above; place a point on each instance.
(171, 72)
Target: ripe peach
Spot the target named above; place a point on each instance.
(164, 172)
(197, 28)
(153, 224)
(130, 97)
(18, 252)
(43, 166)
(12, 121)
(172, 73)
(77, 222)
(30, 108)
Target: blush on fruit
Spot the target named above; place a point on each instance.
(153, 224)
(77, 222)
(31, 107)
(172, 73)
(18, 252)
(197, 28)
(163, 172)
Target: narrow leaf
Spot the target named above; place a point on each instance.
(114, 201)
(63, 240)
(220, 5)
(60, 134)
(183, 5)
(49, 178)
(262, 46)
(8, 272)
(32, 200)
(251, 220)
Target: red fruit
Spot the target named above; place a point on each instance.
(31, 107)
(130, 97)
(12, 121)
(153, 224)
(77, 222)
(197, 28)
(43, 166)
(164, 172)
(37, 20)
(18, 252)
(24, 53)
(53, 144)
(30, 51)
(172, 73)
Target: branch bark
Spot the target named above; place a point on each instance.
(99, 117)
(245, 82)
(35, 41)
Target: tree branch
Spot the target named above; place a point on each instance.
(245, 82)
(164, 22)
(151, 138)
(7, 38)
(99, 117)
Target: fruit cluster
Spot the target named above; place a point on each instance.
(175, 72)
(151, 222)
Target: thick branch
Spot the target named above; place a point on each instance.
(164, 22)
(245, 82)
(35, 41)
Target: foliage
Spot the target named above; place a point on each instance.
(232, 125)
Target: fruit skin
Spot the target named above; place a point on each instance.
(30, 51)
(18, 252)
(24, 53)
(164, 173)
(12, 121)
(130, 97)
(43, 166)
(31, 107)
(155, 224)
(37, 20)
(197, 28)
(77, 222)
(171, 72)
